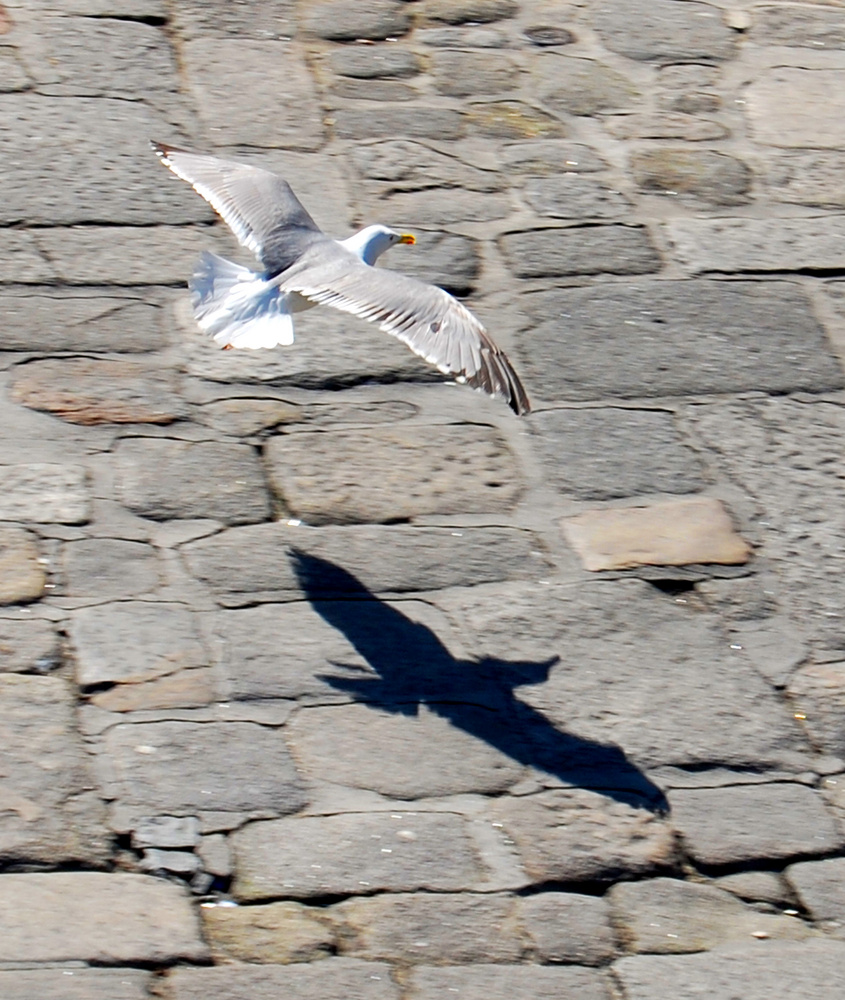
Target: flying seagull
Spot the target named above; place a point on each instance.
(303, 267)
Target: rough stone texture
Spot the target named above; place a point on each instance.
(568, 927)
(85, 391)
(333, 979)
(723, 826)
(180, 768)
(757, 886)
(440, 207)
(277, 933)
(582, 86)
(22, 260)
(454, 928)
(369, 63)
(809, 26)
(812, 178)
(224, 19)
(109, 567)
(676, 338)
(713, 177)
(666, 916)
(430, 756)
(561, 839)
(185, 689)
(48, 814)
(399, 165)
(166, 831)
(415, 122)
(777, 108)
(575, 198)
(345, 854)
(237, 85)
(75, 984)
(161, 479)
(446, 260)
(503, 120)
(604, 453)
(665, 125)
(813, 970)
(134, 641)
(28, 646)
(665, 534)
(664, 30)
(545, 156)
(817, 692)
(499, 982)
(381, 559)
(476, 11)
(465, 74)
(96, 917)
(390, 473)
(344, 22)
(43, 492)
(821, 888)
(542, 253)
(22, 576)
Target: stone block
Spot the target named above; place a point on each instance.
(817, 692)
(22, 260)
(28, 647)
(402, 165)
(581, 86)
(667, 916)
(75, 984)
(454, 928)
(97, 391)
(777, 102)
(547, 156)
(430, 757)
(820, 886)
(134, 641)
(182, 768)
(275, 933)
(467, 74)
(713, 177)
(109, 568)
(663, 534)
(342, 21)
(184, 689)
(722, 826)
(333, 979)
(468, 36)
(161, 478)
(811, 969)
(502, 982)
(216, 855)
(392, 473)
(559, 253)
(439, 207)
(676, 338)
(798, 26)
(166, 831)
(100, 917)
(352, 853)
(22, 575)
(503, 120)
(475, 11)
(757, 887)
(381, 559)
(43, 492)
(572, 835)
(368, 62)
(568, 927)
(605, 453)
(814, 178)
(237, 84)
(274, 19)
(446, 260)
(664, 31)
(71, 320)
(565, 197)
(413, 122)
(50, 815)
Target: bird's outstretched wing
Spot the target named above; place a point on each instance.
(258, 206)
(427, 319)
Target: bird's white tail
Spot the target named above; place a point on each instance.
(237, 306)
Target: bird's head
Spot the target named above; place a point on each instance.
(372, 242)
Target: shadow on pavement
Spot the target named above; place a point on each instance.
(412, 667)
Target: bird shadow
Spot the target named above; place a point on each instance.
(410, 667)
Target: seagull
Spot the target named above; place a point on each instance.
(302, 267)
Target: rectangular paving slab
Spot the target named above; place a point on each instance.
(75, 984)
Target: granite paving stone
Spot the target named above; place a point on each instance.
(582, 86)
(374, 90)
(181, 768)
(668, 916)
(446, 260)
(777, 102)
(813, 178)
(340, 21)
(414, 122)
(440, 207)
(162, 478)
(453, 928)
(722, 826)
(598, 454)
(184, 689)
(43, 492)
(545, 156)
(504, 120)
(109, 567)
(22, 260)
(333, 979)
(498, 982)
(352, 853)
(381, 558)
(758, 887)
(591, 249)
(50, 816)
(107, 918)
(568, 927)
(665, 125)
(28, 646)
(812, 970)
(392, 473)
(809, 26)
(75, 984)
(673, 338)
(574, 198)
(475, 11)
(274, 933)
(366, 62)
(274, 19)
(466, 74)
(820, 887)
(703, 173)
(400, 164)
(664, 30)
(817, 692)
(22, 574)
(465, 36)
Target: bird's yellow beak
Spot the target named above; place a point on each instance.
(408, 238)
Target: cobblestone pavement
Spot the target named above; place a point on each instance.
(325, 680)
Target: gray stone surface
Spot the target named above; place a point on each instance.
(499, 982)
(568, 927)
(659, 339)
(465, 74)
(50, 816)
(224, 19)
(373, 62)
(166, 831)
(702, 173)
(810, 26)
(354, 852)
(416, 122)
(550, 253)
(181, 768)
(28, 647)
(546, 156)
(75, 984)
(812, 970)
(109, 568)
(344, 22)
(400, 164)
(269, 934)
(778, 99)
(147, 920)
(43, 492)
(814, 178)
(664, 30)
(22, 574)
(574, 198)
(820, 886)
(722, 826)
(582, 86)
(817, 691)
(604, 453)
(475, 11)
(162, 478)
(393, 473)
(509, 120)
